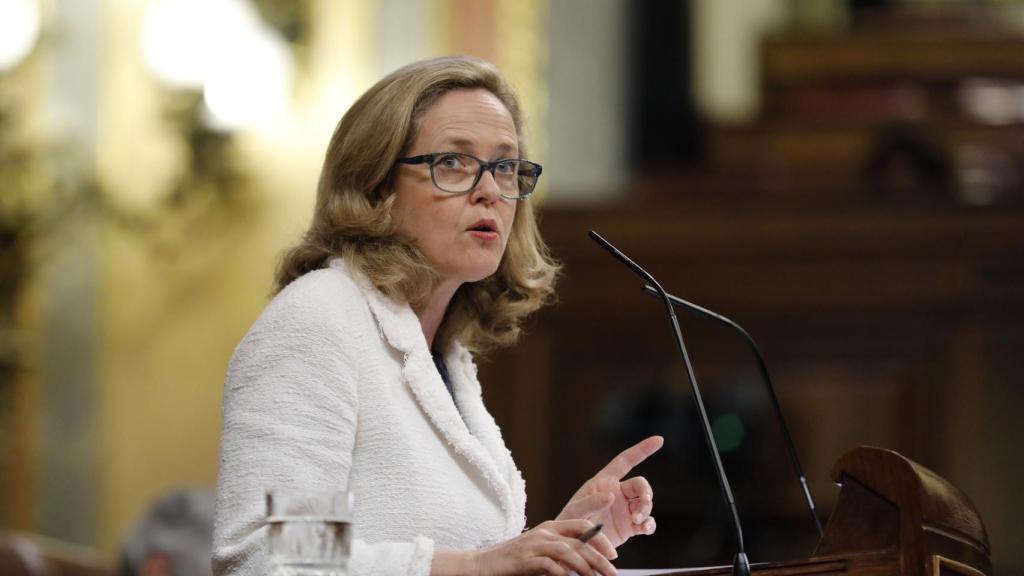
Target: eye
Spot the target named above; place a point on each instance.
(450, 162)
(506, 167)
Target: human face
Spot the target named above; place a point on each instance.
(462, 236)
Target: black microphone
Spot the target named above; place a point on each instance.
(767, 381)
(740, 564)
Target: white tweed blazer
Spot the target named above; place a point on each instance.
(334, 388)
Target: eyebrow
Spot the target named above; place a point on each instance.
(463, 144)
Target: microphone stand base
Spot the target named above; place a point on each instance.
(740, 565)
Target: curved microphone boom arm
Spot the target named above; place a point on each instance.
(652, 291)
(740, 566)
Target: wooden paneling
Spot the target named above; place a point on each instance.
(859, 311)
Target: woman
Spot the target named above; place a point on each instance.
(359, 374)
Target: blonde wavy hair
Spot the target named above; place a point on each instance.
(353, 214)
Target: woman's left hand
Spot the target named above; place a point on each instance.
(623, 506)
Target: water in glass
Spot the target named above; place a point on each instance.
(310, 534)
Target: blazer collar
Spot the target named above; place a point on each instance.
(471, 434)
(468, 397)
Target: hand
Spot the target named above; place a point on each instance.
(551, 548)
(623, 506)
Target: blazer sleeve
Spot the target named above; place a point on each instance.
(289, 421)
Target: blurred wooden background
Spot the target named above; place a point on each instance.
(867, 230)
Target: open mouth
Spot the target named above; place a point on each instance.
(488, 226)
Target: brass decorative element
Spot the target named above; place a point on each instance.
(942, 565)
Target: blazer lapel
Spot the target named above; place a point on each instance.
(481, 424)
(401, 329)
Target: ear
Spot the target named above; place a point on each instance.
(384, 190)
(386, 186)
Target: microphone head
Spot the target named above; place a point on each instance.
(601, 241)
(623, 258)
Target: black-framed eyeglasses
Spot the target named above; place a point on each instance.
(458, 173)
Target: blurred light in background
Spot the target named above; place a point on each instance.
(252, 80)
(729, 431)
(221, 47)
(176, 40)
(19, 28)
(993, 102)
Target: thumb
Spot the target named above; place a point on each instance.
(587, 505)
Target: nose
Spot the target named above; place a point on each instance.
(486, 190)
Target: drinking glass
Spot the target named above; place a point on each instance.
(310, 532)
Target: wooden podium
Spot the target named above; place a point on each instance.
(893, 517)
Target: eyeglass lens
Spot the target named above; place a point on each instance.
(458, 173)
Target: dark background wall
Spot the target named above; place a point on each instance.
(865, 229)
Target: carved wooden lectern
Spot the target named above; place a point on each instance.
(894, 517)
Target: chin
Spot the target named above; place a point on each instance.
(482, 272)
(481, 277)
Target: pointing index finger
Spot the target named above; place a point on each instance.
(632, 456)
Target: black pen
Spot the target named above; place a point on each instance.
(586, 536)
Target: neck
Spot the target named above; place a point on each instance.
(431, 311)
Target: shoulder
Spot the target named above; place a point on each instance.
(316, 330)
(325, 307)
(331, 286)
(321, 295)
